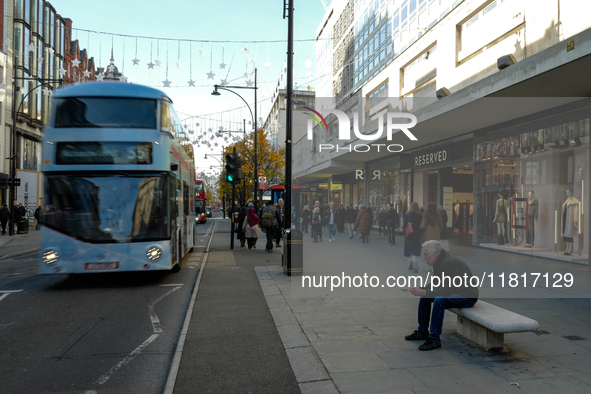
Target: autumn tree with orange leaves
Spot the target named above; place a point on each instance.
(270, 162)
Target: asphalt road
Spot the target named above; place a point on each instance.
(90, 333)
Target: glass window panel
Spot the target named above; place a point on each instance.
(28, 56)
(403, 12)
(18, 42)
(413, 6)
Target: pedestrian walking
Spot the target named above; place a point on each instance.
(4, 216)
(330, 220)
(443, 236)
(279, 223)
(412, 240)
(269, 215)
(316, 224)
(320, 212)
(371, 215)
(392, 218)
(305, 218)
(251, 228)
(38, 216)
(341, 219)
(363, 223)
(241, 216)
(431, 223)
(351, 216)
(382, 221)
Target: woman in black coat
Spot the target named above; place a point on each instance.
(412, 243)
(243, 213)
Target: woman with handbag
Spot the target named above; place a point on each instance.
(240, 234)
(251, 228)
(412, 239)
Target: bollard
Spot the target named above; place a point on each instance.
(292, 258)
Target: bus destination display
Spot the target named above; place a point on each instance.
(104, 153)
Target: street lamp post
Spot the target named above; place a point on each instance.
(254, 124)
(13, 153)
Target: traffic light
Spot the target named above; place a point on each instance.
(231, 167)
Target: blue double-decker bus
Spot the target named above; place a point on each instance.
(119, 181)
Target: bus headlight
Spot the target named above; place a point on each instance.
(154, 253)
(50, 257)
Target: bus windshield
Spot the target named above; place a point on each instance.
(107, 112)
(108, 208)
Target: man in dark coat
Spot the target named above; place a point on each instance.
(4, 216)
(330, 218)
(391, 218)
(442, 297)
(351, 216)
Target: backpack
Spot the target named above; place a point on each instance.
(267, 218)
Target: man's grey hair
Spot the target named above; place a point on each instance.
(433, 246)
(280, 200)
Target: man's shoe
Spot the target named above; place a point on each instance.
(417, 336)
(430, 344)
(410, 267)
(329, 239)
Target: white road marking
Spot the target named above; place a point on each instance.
(153, 317)
(10, 291)
(172, 284)
(3, 296)
(103, 379)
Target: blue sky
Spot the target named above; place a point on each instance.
(229, 21)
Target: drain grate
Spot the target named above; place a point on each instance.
(574, 338)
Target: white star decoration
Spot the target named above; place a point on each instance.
(76, 63)
(62, 72)
(111, 68)
(224, 82)
(178, 64)
(46, 91)
(222, 65)
(158, 63)
(7, 41)
(191, 83)
(3, 86)
(308, 63)
(210, 75)
(123, 79)
(268, 64)
(136, 61)
(31, 47)
(201, 52)
(245, 75)
(249, 83)
(100, 77)
(86, 74)
(151, 65)
(166, 83)
(50, 50)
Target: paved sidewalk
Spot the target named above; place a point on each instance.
(19, 244)
(232, 344)
(360, 341)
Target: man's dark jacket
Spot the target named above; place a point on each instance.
(451, 266)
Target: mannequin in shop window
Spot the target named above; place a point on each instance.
(532, 219)
(501, 218)
(570, 221)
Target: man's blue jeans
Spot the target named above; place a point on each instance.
(332, 229)
(440, 304)
(391, 235)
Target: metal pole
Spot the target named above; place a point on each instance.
(12, 187)
(256, 168)
(288, 129)
(243, 177)
(232, 209)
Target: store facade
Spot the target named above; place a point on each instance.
(531, 188)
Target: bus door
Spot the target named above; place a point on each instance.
(174, 193)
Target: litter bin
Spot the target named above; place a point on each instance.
(22, 226)
(292, 259)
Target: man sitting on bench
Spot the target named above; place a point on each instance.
(442, 297)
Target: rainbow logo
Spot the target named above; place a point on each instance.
(316, 119)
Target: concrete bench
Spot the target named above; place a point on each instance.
(486, 324)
